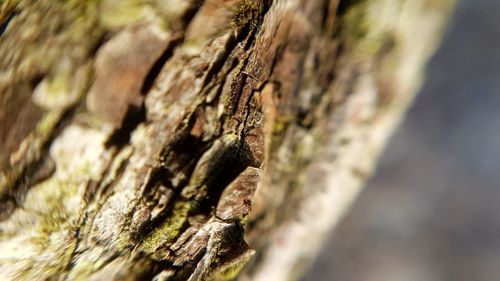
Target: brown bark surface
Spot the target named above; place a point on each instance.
(186, 140)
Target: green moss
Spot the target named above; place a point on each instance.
(170, 229)
(232, 269)
(229, 273)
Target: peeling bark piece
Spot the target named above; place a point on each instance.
(122, 66)
(236, 200)
(254, 145)
(226, 251)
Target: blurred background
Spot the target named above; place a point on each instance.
(432, 210)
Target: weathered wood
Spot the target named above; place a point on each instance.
(159, 139)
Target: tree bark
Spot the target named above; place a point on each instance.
(194, 140)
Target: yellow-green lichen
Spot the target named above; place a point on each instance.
(48, 228)
(365, 26)
(118, 13)
(281, 122)
(83, 270)
(62, 88)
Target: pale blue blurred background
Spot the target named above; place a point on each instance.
(432, 211)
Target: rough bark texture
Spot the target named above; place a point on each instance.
(159, 139)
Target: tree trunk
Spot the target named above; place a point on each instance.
(159, 139)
